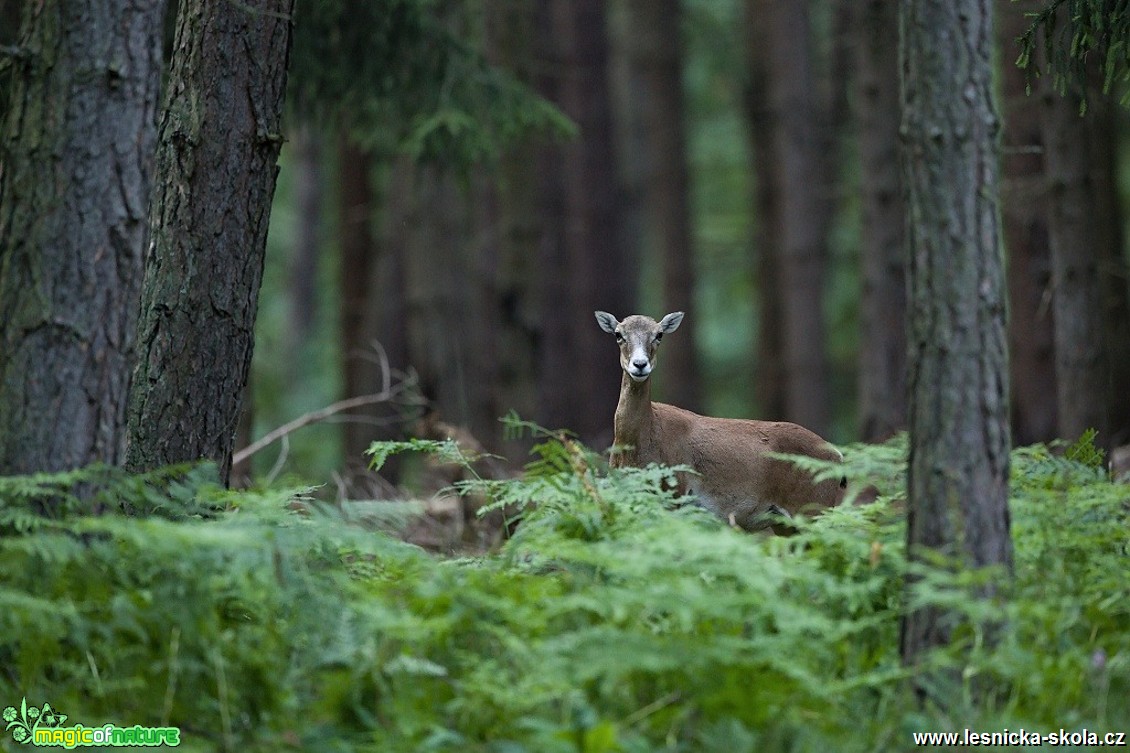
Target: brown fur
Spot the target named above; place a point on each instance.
(735, 479)
(1120, 464)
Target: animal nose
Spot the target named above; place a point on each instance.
(639, 363)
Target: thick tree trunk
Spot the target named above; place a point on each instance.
(882, 353)
(217, 155)
(75, 174)
(1024, 210)
(1082, 365)
(959, 441)
(798, 151)
(761, 117)
(654, 51)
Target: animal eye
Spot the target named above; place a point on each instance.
(658, 336)
(619, 338)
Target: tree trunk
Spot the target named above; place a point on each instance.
(11, 11)
(374, 324)
(513, 207)
(599, 276)
(798, 151)
(75, 174)
(506, 213)
(450, 335)
(1114, 275)
(307, 249)
(359, 370)
(959, 442)
(770, 377)
(217, 155)
(882, 354)
(10, 14)
(655, 58)
(1024, 213)
(557, 331)
(1082, 365)
(240, 477)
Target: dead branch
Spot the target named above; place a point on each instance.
(389, 392)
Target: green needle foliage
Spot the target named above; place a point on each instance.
(412, 76)
(618, 617)
(1077, 35)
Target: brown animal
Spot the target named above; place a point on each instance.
(1120, 464)
(735, 479)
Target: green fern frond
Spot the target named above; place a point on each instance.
(447, 450)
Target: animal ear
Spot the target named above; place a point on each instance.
(671, 322)
(606, 321)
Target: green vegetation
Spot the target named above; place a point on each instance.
(410, 76)
(1079, 37)
(614, 619)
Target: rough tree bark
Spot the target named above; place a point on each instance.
(11, 11)
(882, 353)
(959, 440)
(798, 151)
(75, 174)
(1024, 213)
(217, 155)
(10, 15)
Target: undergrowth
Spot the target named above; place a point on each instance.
(617, 618)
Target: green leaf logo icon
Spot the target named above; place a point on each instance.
(23, 722)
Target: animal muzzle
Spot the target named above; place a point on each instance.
(639, 369)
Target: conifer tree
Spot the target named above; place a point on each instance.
(217, 157)
(957, 503)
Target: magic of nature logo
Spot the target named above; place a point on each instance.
(44, 726)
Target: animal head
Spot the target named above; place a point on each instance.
(638, 338)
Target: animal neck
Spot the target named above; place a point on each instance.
(633, 412)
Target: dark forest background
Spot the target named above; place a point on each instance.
(736, 160)
(847, 199)
(463, 182)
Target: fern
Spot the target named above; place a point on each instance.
(1059, 466)
(447, 450)
(1084, 452)
(618, 617)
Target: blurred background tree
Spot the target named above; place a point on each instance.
(882, 348)
(1024, 209)
(1075, 54)
(465, 239)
